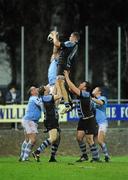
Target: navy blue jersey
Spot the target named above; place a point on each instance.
(50, 110)
(84, 106)
(68, 51)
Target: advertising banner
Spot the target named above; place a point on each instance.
(14, 113)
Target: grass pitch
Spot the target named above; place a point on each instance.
(65, 169)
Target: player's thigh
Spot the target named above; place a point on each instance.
(89, 139)
(103, 127)
(32, 137)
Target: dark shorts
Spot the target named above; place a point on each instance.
(60, 69)
(89, 126)
(51, 124)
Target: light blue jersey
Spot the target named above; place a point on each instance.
(34, 109)
(69, 44)
(101, 110)
(52, 71)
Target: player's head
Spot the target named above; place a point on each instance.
(74, 37)
(33, 91)
(85, 86)
(96, 91)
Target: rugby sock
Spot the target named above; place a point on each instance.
(82, 146)
(55, 146)
(27, 150)
(104, 149)
(44, 145)
(67, 107)
(67, 104)
(23, 146)
(94, 151)
(54, 149)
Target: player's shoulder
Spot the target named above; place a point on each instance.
(34, 98)
(84, 93)
(103, 98)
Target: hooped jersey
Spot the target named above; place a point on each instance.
(84, 106)
(50, 110)
(68, 51)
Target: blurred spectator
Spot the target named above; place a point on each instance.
(13, 96)
(2, 98)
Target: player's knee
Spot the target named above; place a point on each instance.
(90, 140)
(33, 140)
(100, 141)
(79, 138)
(53, 139)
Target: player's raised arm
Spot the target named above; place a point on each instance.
(70, 84)
(97, 101)
(56, 41)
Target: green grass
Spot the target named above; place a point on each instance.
(65, 169)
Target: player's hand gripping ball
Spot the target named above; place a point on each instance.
(50, 36)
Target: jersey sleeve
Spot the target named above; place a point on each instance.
(67, 44)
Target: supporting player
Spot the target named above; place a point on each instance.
(30, 122)
(87, 123)
(100, 105)
(50, 121)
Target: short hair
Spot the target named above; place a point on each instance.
(77, 35)
(29, 90)
(100, 89)
(88, 86)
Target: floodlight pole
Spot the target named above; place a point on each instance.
(22, 64)
(22, 69)
(119, 67)
(86, 53)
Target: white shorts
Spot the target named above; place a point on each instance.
(103, 127)
(30, 127)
